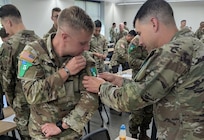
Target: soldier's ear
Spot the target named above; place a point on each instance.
(155, 24)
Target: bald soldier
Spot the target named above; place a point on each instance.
(122, 32)
(170, 79)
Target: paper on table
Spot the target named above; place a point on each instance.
(9, 119)
(127, 75)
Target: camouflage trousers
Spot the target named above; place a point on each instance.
(140, 119)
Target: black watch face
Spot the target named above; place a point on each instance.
(59, 123)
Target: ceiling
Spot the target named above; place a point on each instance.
(128, 2)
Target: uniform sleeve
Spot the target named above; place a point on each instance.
(105, 47)
(134, 56)
(86, 106)
(7, 71)
(83, 112)
(156, 77)
(38, 88)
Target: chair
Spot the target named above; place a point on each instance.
(99, 134)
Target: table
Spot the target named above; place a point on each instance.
(110, 49)
(127, 138)
(5, 127)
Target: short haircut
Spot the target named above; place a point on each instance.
(183, 20)
(9, 10)
(157, 8)
(113, 23)
(3, 33)
(132, 33)
(125, 23)
(97, 23)
(76, 18)
(56, 9)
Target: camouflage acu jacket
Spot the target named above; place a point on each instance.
(51, 99)
(136, 55)
(12, 87)
(120, 54)
(172, 79)
(52, 30)
(99, 44)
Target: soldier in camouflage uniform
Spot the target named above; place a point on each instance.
(200, 31)
(113, 33)
(51, 72)
(4, 36)
(99, 47)
(171, 77)
(120, 54)
(122, 32)
(125, 26)
(141, 118)
(54, 16)
(202, 39)
(19, 37)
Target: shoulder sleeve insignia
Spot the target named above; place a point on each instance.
(122, 46)
(27, 56)
(24, 65)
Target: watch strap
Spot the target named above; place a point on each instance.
(59, 125)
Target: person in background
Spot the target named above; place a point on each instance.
(99, 46)
(54, 17)
(125, 26)
(122, 32)
(141, 118)
(120, 54)
(113, 33)
(51, 71)
(183, 24)
(170, 78)
(4, 36)
(200, 31)
(11, 20)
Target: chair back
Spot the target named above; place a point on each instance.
(99, 134)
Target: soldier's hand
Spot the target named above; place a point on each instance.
(100, 56)
(92, 84)
(76, 64)
(112, 78)
(50, 129)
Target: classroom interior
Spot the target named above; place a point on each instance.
(36, 15)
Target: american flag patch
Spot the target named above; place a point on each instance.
(27, 56)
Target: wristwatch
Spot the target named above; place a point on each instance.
(67, 70)
(59, 124)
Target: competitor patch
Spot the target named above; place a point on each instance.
(24, 67)
(29, 57)
(93, 71)
(132, 46)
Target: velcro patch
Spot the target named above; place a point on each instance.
(122, 46)
(29, 57)
(24, 65)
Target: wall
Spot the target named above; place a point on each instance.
(36, 14)
(113, 13)
(191, 11)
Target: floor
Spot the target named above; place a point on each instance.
(115, 122)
